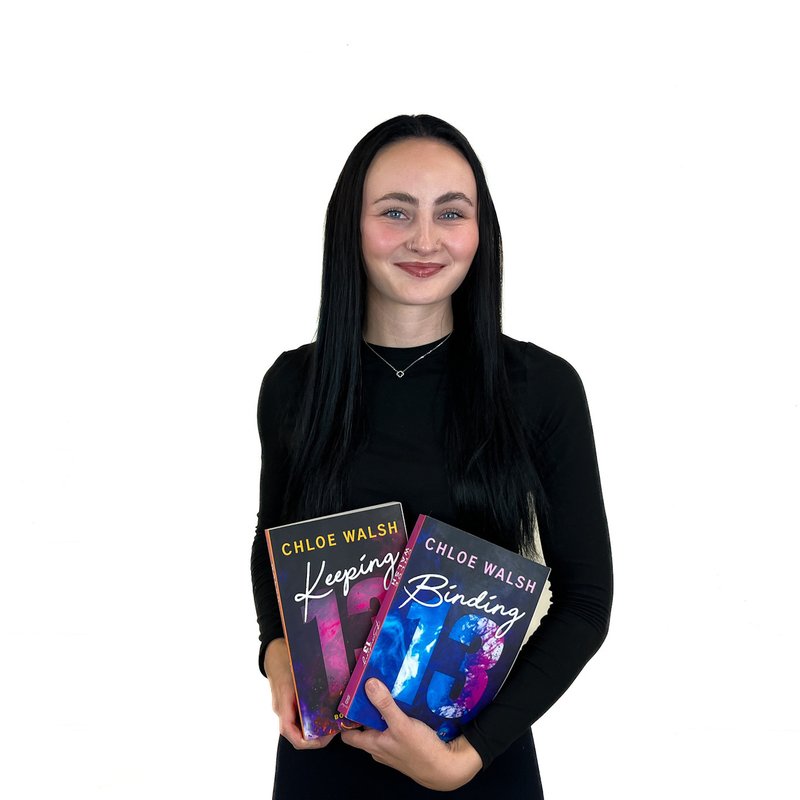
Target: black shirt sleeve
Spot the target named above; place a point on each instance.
(575, 545)
(274, 402)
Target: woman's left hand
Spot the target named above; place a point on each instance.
(413, 748)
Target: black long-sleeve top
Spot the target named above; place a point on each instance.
(404, 460)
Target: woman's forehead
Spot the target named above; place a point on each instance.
(424, 163)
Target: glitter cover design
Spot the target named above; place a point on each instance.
(331, 574)
(449, 628)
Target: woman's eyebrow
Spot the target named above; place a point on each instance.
(450, 197)
(403, 197)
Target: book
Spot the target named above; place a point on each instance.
(449, 629)
(331, 574)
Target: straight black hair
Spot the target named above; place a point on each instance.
(493, 480)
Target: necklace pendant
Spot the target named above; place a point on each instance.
(400, 373)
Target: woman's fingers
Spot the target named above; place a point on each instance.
(284, 702)
(380, 696)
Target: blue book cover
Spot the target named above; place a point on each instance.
(449, 629)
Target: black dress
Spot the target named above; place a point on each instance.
(404, 460)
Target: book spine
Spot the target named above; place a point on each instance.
(366, 652)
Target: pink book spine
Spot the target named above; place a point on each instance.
(366, 652)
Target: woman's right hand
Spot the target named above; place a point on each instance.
(284, 702)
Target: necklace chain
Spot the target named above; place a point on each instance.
(401, 372)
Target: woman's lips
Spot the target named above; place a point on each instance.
(420, 269)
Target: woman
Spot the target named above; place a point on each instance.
(411, 392)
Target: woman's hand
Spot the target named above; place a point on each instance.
(284, 702)
(413, 748)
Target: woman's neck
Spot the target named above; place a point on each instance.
(407, 326)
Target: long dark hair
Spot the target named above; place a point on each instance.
(493, 480)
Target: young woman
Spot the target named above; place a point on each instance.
(411, 392)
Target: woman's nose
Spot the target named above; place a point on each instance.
(424, 237)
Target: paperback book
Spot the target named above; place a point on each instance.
(331, 574)
(449, 629)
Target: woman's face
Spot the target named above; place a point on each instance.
(419, 223)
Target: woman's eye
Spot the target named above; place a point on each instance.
(451, 214)
(394, 213)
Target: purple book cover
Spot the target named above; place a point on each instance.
(331, 574)
(449, 628)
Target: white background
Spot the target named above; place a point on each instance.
(164, 172)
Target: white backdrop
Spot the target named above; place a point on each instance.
(164, 172)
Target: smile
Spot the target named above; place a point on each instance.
(420, 269)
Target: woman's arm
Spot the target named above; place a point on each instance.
(272, 488)
(575, 544)
(276, 393)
